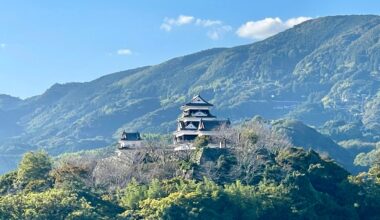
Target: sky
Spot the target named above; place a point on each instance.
(43, 42)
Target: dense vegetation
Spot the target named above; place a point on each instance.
(324, 72)
(313, 189)
(260, 176)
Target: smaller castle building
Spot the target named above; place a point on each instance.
(196, 120)
(130, 140)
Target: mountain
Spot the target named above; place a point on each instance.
(308, 138)
(322, 71)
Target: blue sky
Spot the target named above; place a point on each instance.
(44, 42)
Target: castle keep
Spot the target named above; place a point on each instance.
(196, 120)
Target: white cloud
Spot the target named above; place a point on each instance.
(267, 27)
(207, 22)
(213, 35)
(183, 19)
(215, 28)
(294, 21)
(2, 45)
(124, 52)
(179, 21)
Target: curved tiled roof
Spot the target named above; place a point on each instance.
(198, 101)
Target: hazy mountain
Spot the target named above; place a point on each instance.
(320, 72)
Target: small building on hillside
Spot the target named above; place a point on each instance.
(196, 120)
(130, 140)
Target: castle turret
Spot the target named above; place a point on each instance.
(130, 140)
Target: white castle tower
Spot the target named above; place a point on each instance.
(196, 120)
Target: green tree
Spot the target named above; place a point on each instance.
(369, 197)
(7, 182)
(34, 170)
(155, 189)
(51, 204)
(133, 194)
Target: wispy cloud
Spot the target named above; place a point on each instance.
(207, 22)
(124, 52)
(215, 28)
(2, 45)
(169, 23)
(267, 27)
(217, 32)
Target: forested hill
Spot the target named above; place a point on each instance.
(325, 71)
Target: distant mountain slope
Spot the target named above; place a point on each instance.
(306, 137)
(322, 70)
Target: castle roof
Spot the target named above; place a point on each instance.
(203, 125)
(212, 125)
(198, 113)
(132, 136)
(198, 101)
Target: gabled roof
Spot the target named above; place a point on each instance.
(198, 101)
(191, 126)
(134, 136)
(188, 126)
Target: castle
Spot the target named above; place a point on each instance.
(196, 120)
